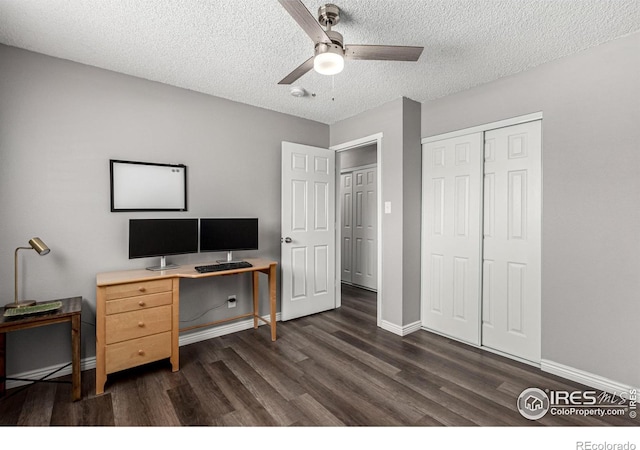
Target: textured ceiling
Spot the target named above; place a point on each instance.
(240, 49)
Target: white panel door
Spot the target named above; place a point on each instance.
(512, 240)
(308, 230)
(365, 234)
(451, 235)
(346, 196)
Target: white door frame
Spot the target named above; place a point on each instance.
(367, 140)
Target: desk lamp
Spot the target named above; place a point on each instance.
(42, 249)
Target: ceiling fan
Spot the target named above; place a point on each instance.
(330, 51)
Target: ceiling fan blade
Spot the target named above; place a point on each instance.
(309, 24)
(383, 52)
(298, 72)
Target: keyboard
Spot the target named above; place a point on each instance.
(223, 266)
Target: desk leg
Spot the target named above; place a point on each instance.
(272, 300)
(75, 357)
(3, 361)
(175, 326)
(256, 291)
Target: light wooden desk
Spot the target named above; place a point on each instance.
(137, 314)
(69, 312)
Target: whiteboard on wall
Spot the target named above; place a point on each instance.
(145, 186)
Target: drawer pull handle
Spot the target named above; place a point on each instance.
(141, 352)
(141, 303)
(141, 324)
(142, 289)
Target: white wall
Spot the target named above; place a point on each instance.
(61, 122)
(398, 121)
(591, 197)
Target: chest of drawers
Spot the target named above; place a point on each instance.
(136, 323)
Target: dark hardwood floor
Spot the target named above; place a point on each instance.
(331, 369)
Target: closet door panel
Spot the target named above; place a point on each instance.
(346, 192)
(512, 239)
(451, 236)
(365, 234)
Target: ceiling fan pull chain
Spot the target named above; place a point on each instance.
(333, 88)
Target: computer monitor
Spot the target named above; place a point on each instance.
(228, 235)
(162, 237)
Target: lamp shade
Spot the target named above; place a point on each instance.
(39, 246)
(329, 59)
(42, 249)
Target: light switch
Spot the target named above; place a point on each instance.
(387, 207)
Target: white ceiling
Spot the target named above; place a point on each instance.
(240, 49)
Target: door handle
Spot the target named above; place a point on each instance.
(287, 240)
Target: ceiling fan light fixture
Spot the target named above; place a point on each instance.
(329, 59)
(330, 53)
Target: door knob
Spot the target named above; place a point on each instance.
(288, 240)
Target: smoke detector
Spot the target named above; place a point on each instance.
(297, 91)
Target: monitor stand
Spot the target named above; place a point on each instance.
(163, 265)
(229, 259)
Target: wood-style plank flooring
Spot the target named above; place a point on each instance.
(330, 369)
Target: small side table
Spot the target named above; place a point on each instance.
(69, 312)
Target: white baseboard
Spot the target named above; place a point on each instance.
(400, 330)
(90, 363)
(85, 364)
(586, 378)
(221, 330)
(412, 327)
(567, 372)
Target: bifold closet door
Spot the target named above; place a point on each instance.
(346, 233)
(359, 234)
(451, 235)
(365, 234)
(511, 316)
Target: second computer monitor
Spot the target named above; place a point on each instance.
(228, 235)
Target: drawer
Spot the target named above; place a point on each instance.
(139, 288)
(124, 355)
(135, 324)
(137, 303)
